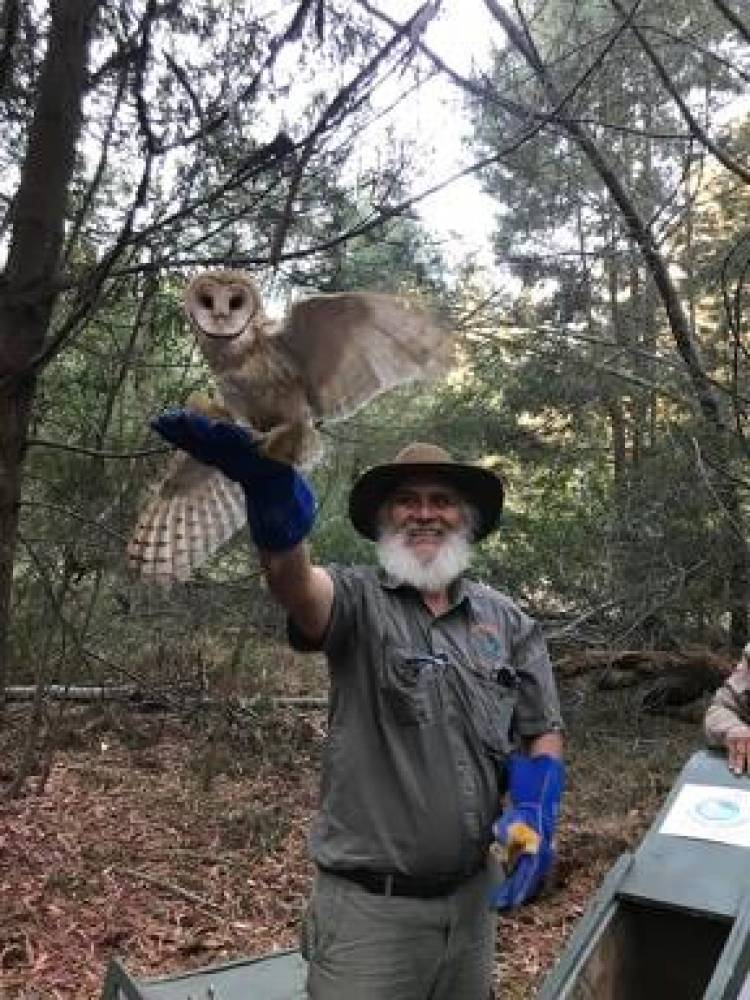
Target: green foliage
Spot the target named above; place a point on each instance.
(212, 133)
(570, 385)
(628, 501)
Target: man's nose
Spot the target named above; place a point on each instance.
(424, 509)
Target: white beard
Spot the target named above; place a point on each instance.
(449, 562)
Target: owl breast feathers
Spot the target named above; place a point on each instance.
(329, 356)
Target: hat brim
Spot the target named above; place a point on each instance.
(480, 487)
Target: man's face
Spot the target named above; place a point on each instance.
(424, 514)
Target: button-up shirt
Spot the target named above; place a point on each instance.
(423, 712)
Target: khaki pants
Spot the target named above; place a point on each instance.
(364, 946)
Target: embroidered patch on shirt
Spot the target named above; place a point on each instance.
(487, 646)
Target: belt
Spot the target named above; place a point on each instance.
(414, 887)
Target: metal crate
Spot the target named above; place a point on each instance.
(671, 920)
(279, 976)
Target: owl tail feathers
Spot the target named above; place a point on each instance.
(193, 512)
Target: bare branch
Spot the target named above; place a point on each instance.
(679, 323)
(411, 29)
(177, 890)
(126, 52)
(75, 516)
(692, 122)
(484, 92)
(68, 629)
(734, 18)
(153, 144)
(126, 358)
(703, 463)
(184, 81)
(101, 166)
(94, 452)
(694, 46)
(9, 23)
(290, 34)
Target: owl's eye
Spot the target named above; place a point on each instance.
(236, 301)
(206, 300)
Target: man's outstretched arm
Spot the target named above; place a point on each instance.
(304, 590)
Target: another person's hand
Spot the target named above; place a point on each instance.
(526, 829)
(280, 503)
(738, 749)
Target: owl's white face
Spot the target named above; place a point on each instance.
(222, 306)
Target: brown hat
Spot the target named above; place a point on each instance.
(480, 487)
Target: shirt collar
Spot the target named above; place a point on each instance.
(458, 592)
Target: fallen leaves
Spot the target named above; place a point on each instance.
(114, 860)
(134, 854)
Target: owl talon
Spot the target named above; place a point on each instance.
(294, 444)
(282, 443)
(200, 402)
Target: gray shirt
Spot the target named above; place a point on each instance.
(423, 712)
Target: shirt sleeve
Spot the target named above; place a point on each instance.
(347, 595)
(538, 707)
(727, 712)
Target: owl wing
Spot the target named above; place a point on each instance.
(352, 346)
(193, 511)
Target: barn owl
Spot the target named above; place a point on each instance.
(329, 356)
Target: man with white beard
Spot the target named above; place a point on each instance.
(444, 728)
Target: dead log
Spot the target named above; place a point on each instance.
(76, 692)
(676, 683)
(139, 697)
(644, 663)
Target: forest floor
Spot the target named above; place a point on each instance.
(176, 843)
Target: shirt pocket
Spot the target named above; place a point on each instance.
(409, 685)
(494, 697)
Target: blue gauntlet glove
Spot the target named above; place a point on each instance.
(526, 829)
(280, 504)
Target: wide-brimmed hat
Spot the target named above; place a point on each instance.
(480, 487)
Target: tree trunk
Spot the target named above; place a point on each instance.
(27, 287)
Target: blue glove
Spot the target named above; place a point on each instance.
(280, 504)
(526, 829)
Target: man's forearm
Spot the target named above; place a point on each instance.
(286, 572)
(305, 591)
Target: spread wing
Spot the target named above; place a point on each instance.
(194, 510)
(352, 346)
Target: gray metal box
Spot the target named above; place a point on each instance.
(671, 921)
(280, 976)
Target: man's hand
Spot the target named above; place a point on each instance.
(526, 829)
(738, 750)
(280, 504)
